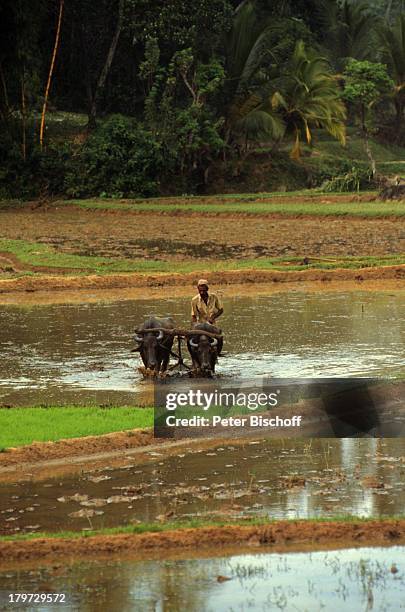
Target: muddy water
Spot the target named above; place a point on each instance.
(81, 353)
(276, 478)
(344, 580)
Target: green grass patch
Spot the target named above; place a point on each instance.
(21, 426)
(36, 254)
(255, 206)
(354, 148)
(192, 524)
(326, 263)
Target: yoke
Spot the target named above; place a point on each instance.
(180, 334)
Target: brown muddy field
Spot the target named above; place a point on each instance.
(183, 237)
(279, 536)
(192, 238)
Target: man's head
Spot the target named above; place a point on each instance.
(202, 286)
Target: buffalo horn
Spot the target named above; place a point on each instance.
(138, 338)
(193, 343)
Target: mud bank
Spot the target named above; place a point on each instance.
(42, 460)
(64, 449)
(231, 277)
(70, 296)
(280, 535)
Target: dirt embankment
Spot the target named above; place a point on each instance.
(231, 277)
(89, 445)
(280, 535)
(42, 460)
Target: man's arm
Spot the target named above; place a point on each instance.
(219, 310)
(216, 315)
(193, 311)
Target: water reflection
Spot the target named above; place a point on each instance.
(344, 580)
(274, 478)
(82, 352)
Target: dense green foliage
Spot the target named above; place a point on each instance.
(118, 158)
(365, 84)
(172, 92)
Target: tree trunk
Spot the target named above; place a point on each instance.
(24, 118)
(366, 142)
(388, 11)
(48, 84)
(5, 105)
(88, 87)
(107, 66)
(399, 112)
(370, 154)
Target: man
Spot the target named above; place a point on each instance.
(205, 308)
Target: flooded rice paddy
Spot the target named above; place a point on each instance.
(277, 479)
(81, 353)
(345, 580)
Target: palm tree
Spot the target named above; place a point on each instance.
(348, 31)
(270, 96)
(309, 98)
(251, 45)
(393, 43)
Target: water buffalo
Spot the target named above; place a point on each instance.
(204, 350)
(155, 346)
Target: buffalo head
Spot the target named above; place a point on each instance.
(204, 351)
(148, 346)
(155, 343)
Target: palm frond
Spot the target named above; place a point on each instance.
(260, 125)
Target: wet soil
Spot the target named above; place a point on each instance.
(60, 282)
(42, 461)
(180, 237)
(275, 479)
(280, 535)
(44, 297)
(75, 447)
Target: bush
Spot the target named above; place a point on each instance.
(119, 159)
(41, 172)
(17, 177)
(345, 174)
(354, 180)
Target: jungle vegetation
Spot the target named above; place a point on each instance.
(130, 98)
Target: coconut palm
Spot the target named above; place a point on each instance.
(271, 95)
(309, 98)
(251, 58)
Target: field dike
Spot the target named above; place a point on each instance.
(231, 277)
(73, 447)
(277, 536)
